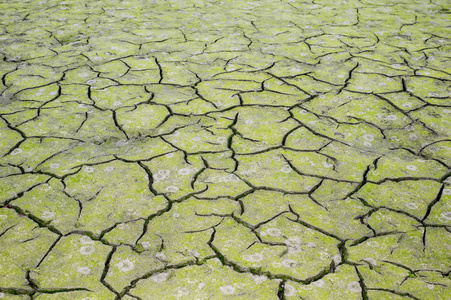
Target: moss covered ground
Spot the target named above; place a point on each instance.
(272, 149)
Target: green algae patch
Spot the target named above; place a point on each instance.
(208, 281)
(34, 153)
(400, 281)
(16, 184)
(441, 212)
(20, 235)
(255, 168)
(405, 248)
(49, 203)
(114, 97)
(404, 165)
(225, 150)
(105, 202)
(124, 233)
(410, 196)
(75, 262)
(286, 248)
(342, 284)
(181, 235)
(175, 176)
(149, 116)
(127, 265)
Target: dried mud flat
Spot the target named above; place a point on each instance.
(225, 149)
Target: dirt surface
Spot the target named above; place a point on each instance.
(225, 150)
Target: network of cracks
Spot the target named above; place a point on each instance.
(225, 149)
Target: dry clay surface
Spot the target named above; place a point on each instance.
(273, 149)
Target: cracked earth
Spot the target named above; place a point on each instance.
(225, 149)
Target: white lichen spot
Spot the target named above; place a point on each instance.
(413, 136)
(16, 151)
(447, 192)
(289, 263)
(411, 167)
(371, 261)
(87, 250)
(412, 205)
(311, 245)
(290, 291)
(85, 240)
(109, 169)
(319, 283)
(367, 144)
(54, 166)
(180, 292)
(84, 270)
(125, 265)
(230, 178)
(160, 277)
(185, 171)
(200, 285)
(89, 169)
(170, 155)
(407, 105)
(368, 137)
(337, 259)
(145, 245)
(121, 143)
(117, 103)
(354, 286)
(259, 279)
(249, 122)
(48, 215)
(327, 165)
(158, 177)
(446, 215)
(372, 244)
(273, 231)
(430, 286)
(292, 249)
(256, 257)
(197, 138)
(160, 256)
(286, 169)
(391, 117)
(164, 173)
(294, 245)
(227, 290)
(172, 189)
(221, 140)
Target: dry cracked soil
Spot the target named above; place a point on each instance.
(225, 149)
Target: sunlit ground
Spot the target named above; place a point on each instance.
(225, 150)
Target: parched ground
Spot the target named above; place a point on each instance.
(225, 149)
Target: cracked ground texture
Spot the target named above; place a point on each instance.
(225, 149)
